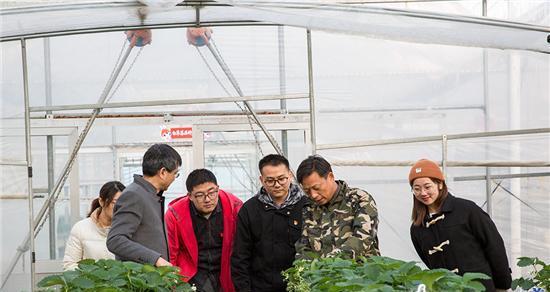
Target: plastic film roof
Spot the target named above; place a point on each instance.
(383, 23)
(403, 25)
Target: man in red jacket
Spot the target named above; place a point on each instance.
(200, 229)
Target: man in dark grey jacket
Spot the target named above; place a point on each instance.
(137, 232)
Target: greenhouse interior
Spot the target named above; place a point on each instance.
(370, 85)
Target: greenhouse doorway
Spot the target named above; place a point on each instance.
(232, 151)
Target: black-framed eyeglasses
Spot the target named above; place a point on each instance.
(272, 181)
(213, 194)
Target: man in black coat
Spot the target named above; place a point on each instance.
(268, 226)
(137, 232)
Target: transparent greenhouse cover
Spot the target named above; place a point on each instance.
(382, 71)
(394, 24)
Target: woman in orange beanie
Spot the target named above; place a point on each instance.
(454, 233)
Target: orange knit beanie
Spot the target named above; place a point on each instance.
(425, 168)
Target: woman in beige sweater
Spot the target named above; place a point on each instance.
(88, 237)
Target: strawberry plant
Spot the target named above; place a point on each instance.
(539, 276)
(115, 276)
(374, 274)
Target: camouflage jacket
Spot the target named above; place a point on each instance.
(346, 225)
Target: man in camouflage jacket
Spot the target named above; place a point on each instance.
(343, 221)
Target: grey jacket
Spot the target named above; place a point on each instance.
(137, 231)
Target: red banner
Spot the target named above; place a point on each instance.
(177, 133)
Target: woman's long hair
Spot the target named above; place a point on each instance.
(107, 194)
(420, 210)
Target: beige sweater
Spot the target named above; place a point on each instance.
(86, 241)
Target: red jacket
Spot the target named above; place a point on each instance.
(182, 243)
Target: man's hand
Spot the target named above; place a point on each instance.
(162, 262)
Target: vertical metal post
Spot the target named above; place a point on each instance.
(311, 95)
(47, 72)
(29, 157)
(444, 155)
(74, 182)
(49, 145)
(488, 180)
(198, 147)
(115, 153)
(282, 84)
(50, 154)
(515, 155)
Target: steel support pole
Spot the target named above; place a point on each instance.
(178, 101)
(515, 154)
(444, 155)
(41, 217)
(49, 145)
(282, 84)
(30, 244)
(488, 181)
(449, 163)
(311, 95)
(434, 138)
(74, 182)
(235, 84)
(51, 215)
(29, 156)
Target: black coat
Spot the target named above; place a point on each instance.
(469, 242)
(264, 245)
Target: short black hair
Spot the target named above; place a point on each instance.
(159, 156)
(198, 177)
(273, 160)
(313, 163)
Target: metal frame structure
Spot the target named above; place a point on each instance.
(45, 211)
(299, 122)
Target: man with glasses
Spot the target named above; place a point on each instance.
(342, 222)
(137, 232)
(268, 227)
(200, 228)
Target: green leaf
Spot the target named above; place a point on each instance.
(132, 266)
(476, 286)
(407, 268)
(51, 281)
(148, 268)
(429, 278)
(107, 289)
(475, 276)
(118, 283)
(104, 275)
(70, 275)
(527, 284)
(83, 282)
(515, 283)
(153, 279)
(137, 282)
(525, 261)
(87, 262)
